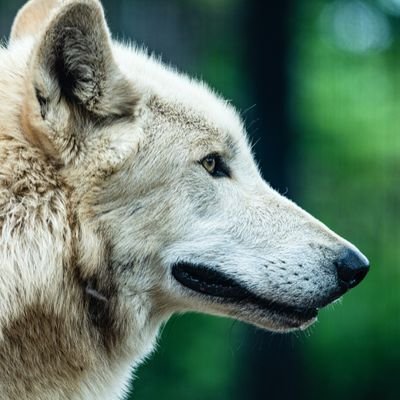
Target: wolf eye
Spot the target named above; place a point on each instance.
(215, 166)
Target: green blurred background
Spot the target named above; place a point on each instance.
(319, 85)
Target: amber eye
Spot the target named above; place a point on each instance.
(209, 163)
(215, 166)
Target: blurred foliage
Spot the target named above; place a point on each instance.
(347, 110)
(196, 359)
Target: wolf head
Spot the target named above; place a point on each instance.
(159, 172)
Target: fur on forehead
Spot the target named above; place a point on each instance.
(184, 94)
(200, 132)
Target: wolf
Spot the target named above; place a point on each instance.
(128, 192)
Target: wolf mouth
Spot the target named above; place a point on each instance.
(211, 282)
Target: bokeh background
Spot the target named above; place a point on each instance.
(318, 83)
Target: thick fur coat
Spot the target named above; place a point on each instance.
(128, 192)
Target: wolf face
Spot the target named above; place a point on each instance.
(229, 243)
(161, 207)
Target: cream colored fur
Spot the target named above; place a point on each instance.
(102, 191)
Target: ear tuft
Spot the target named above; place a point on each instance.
(43, 103)
(80, 67)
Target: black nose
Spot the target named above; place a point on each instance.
(351, 266)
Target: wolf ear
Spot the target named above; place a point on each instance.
(31, 17)
(73, 78)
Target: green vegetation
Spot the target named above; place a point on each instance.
(347, 107)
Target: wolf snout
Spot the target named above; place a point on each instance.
(351, 267)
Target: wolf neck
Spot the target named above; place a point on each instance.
(67, 329)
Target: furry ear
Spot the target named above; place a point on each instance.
(73, 79)
(75, 55)
(31, 17)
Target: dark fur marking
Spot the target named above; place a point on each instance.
(99, 306)
(94, 293)
(43, 103)
(100, 297)
(100, 302)
(134, 211)
(42, 348)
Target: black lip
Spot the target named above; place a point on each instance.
(211, 282)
